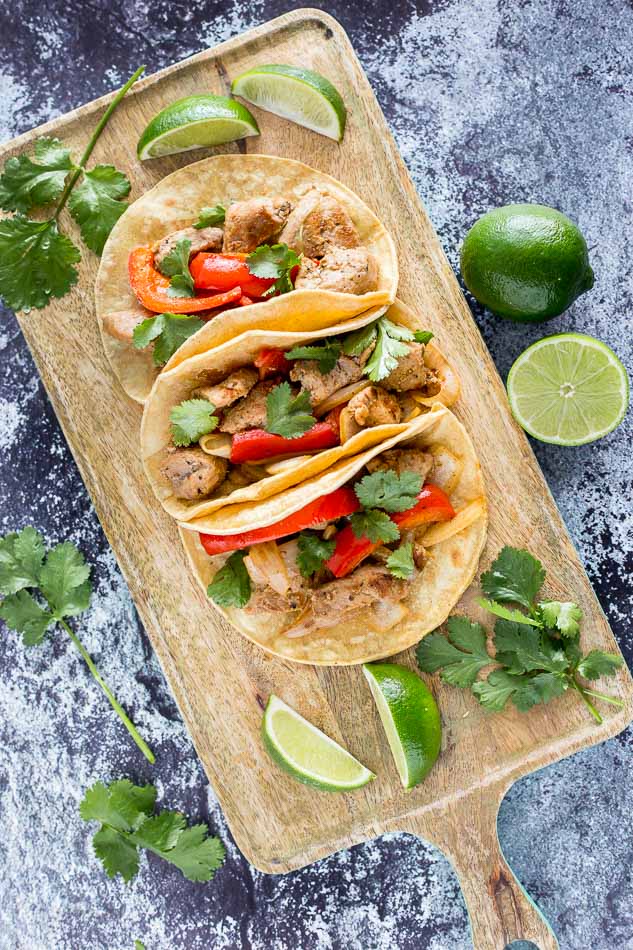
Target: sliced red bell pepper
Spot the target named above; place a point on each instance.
(270, 361)
(350, 551)
(257, 444)
(337, 504)
(225, 271)
(150, 286)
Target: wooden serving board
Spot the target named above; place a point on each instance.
(220, 681)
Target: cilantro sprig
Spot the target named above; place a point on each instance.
(192, 419)
(61, 579)
(536, 648)
(326, 354)
(37, 261)
(389, 490)
(287, 415)
(175, 265)
(209, 217)
(276, 262)
(390, 344)
(126, 815)
(231, 585)
(314, 551)
(167, 331)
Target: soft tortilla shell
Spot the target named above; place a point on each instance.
(175, 202)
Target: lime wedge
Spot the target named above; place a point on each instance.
(307, 754)
(568, 389)
(410, 718)
(301, 95)
(195, 122)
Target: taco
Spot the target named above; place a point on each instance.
(357, 563)
(268, 242)
(264, 411)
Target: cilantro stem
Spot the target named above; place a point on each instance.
(105, 118)
(604, 697)
(116, 705)
(590, 706)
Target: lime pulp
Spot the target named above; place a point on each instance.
(196, 122)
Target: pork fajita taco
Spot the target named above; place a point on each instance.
(268, 242)
(360, 561)
(267, 410)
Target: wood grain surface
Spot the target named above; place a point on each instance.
(219, 680)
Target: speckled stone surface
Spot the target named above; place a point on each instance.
(490, 102)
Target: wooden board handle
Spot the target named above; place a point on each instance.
(500, 911)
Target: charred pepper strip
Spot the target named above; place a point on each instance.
(150, 286)
(257, 444)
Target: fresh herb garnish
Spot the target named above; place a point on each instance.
(326, 354)
(422, 336)
(231, 586)
(276, 262)
(209, 217)
(126, 814)
(391, 344)
(389, 490)
(167, 331)
(400, 562)
(62, 580)
(288, 415)
(357, 342)
(175, 264)
(314, 551)
(37, 261)
(192, 419)
(139, 945)
(537, 653)
(375, 525)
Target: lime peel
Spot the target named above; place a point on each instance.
(198, 121)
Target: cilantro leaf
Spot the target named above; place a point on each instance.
(563, 616)
(139, 945)
(175, 264)
(422, 336)
(390, 346)
(400, 562)
(119, 805)
(189, 849)
(167, 331)
(26, 184)
(286, 415)
(597, 663)
(514, 576)
(64, 580)
(231, 585)
(192, 419)
(460, 656)
(95, 204)
(209, 217)
(22, 613)
(36, 262)
(313, 552)
(357, 342)
(326, 354)
(386, 489)
(116, 852)
(506, 612)
(523, 649)
(21, 557)
(274, 262)
(374, 525)
(525, 691)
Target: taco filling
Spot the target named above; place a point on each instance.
(290, 404)
(360, 546)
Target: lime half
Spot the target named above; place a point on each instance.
(568, 389)
(410, 718)
(308, 754)
(195, 122)
(301, 95)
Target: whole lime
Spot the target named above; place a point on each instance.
(525, 262)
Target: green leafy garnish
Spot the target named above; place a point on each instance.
(61, 580)
(126, 815)
(288, 415)
(175, 264)
(167, 331)
(400, 562)
(139, 945)
(537, 653)
(357, 342)
(375, 525)
(313, 552)
(209, 217)
(36, 259)
(391, 344)
(326, 354)
(388, 490)
(422, 336)
(276, 262)
(192, 419)
(231, 586)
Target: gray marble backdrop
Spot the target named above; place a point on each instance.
(490, 101)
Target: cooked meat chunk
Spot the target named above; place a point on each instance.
(120, 324)
(266, 600)
(328, 226)
(412, 373)
(350, 270)
(249, 412)
(234, 387)
(320, 385)
(194, 474)
(403, 460)
(420, 554)
(374, 406)
(253, 222)
(331, 603)
(292, 234)
(203, 239)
